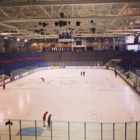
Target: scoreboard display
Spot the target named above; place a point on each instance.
(129, 39)
(65, 35)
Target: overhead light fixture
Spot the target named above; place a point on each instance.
(25, 40)
(77, 23)
(18, 39)
(6, 37)
(93, 30)
(64, 23)
(44, 24)
(91, 21)
(56, 23)
(61, 23)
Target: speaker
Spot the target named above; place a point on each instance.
(93, 30)
(77, 23)
(64, 23)
(56, 23)
(61, 23)
(62, 15)
(44, 24)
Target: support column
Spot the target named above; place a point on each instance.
(99, 47)
(113, 44)
(7, 45)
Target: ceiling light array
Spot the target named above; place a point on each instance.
(18, 39)
(93, 30)
(78, 23)
(25, 40)
(62, 23)
(44, 24)
(41, 31)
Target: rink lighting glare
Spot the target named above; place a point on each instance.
(5, 37)
(25, 40)
(18, 39)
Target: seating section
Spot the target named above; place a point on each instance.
(9, 62)
(19, 61)
(33, 57)
(22, 61)
(36, 59)
(80, 56)
(129, 60)
(68, 56)
(6, 69)
(16, 60)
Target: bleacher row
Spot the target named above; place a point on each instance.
(19, 60)
(104, 56)
(129, 60)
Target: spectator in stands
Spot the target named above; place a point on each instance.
(44, 118)
(4, 85)
(42, 79)
(49, 121)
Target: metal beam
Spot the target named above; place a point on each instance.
(19, 12)
(127, 30)
(4, 13)
(73, 18)
(58, 12)
(76, 2)
(88, 12)
(43, 8)
(9, 26)
(79, 27)
(122, 10)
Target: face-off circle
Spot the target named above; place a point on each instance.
(96, 112)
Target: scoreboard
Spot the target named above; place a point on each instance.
(65, 35)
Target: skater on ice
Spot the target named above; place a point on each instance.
(42, 79)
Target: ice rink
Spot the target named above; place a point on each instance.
(98, 96)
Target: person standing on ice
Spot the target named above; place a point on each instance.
(42, 79)
(44, 118)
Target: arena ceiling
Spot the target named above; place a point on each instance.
(40, 19)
